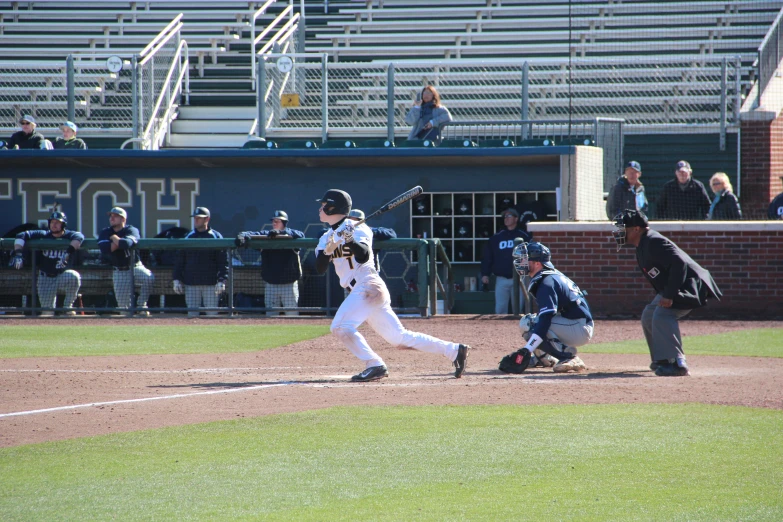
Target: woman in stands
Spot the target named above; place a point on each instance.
(427, 116)
(725, 205)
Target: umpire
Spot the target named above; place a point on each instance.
(680, 285)
(281, 269)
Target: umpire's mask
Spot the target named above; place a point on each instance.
(627, 218)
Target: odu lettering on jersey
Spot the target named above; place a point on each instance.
(506, 244)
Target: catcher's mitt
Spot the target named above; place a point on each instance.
(516, 362)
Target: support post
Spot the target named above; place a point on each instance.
(433, 281)
(261, 97)
(324, 98)
(71, 88)
(723, 87)
(390, 103)
(525, 97)
(423, 252)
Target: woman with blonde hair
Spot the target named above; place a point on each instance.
(427, 115)
(725, 205)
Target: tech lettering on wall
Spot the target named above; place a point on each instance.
(86, 205)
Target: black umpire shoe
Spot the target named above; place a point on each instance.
(461, 361)
(373, 373)
(671, 370)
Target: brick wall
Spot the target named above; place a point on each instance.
(745, 259)
(761, 153)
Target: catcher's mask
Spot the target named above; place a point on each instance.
(523, 253)
(627, 218)
(58, 216)
(336, 202)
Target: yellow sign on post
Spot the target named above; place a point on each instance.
(289, 100)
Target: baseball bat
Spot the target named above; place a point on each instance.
(394, 203)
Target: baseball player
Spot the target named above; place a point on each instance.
(564, 321)
(201, 274)
(680, 285)
(117, 243)
(349, 247)
(281, 269)
(53, 275)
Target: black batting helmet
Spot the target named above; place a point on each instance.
(337, 202)
(627, 218)
(58, 216)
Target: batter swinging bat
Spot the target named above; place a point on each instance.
(396, 202)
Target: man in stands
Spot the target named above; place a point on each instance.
(27, 138)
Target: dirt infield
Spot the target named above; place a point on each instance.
(83, 396)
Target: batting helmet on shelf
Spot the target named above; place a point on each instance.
(58, 216)
(336, 202)
(627, 218)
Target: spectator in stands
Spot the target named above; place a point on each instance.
(498, 260)
(201, 274)
(775, 210)
(69, 139)
(427, 116)
(27, 138)
(724, 205)
(683, 198)
(281, 269)
(628, 192)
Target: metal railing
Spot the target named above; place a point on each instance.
(244, 276)
(770, 53)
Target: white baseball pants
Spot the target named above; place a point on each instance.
(196, 294)
(67, 283)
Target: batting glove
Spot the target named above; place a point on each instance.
(17, 260)
(348, 233)
(273, 233)
(331, 245)
(220, 287)
(179, 288)
(62, 263)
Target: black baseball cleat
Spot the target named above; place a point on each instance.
(373, 373)
(462, 360)
(671, 370)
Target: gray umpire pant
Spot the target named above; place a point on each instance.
(662, 330)
(286, 296)
(67, 283)
(504, 292)
(195, 295)
(142, 278)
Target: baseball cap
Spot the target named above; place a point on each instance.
(71, 125)
(511, 211)
(119, 211)
(356, 214)
(281, 215)
(27, 117)
(200, 212)
(683, 165)
(633, 165)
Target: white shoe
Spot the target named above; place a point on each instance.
(70, 313)
(47, 314)
(571, 365)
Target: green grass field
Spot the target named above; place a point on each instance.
(599, 462)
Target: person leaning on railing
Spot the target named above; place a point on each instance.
(27, 138)
(69, 139)
(427, 115)
(725, 205)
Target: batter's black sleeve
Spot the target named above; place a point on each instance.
(322, 262)
(360, 251)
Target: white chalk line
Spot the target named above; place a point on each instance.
(190, 370)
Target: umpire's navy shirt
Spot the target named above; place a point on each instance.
(201, 267)
(497, 256)
(125, 255)
(557, 294)
(46, 260)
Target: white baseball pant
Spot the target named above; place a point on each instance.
(195, 295)
(67, 283)
(286, 295)
(142, 278)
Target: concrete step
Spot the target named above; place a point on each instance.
(207, 141)
(180, 126)
(208, 112)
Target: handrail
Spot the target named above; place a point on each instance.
(288, 28)
(260, 11)
(166, 29)
(162, 43)
(150, 132)
(273, 23)
(764, 65)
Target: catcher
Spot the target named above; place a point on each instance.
(563, 322)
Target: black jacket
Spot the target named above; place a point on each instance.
(201, 267)
(280, 266)
(775, 210)
(727, 208)
(693, 203)
(125, 256)
(75, 143)
(673, 274)
(34, 140)
(622, 196)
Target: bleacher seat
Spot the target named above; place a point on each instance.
(259, 143)
(338, 144)
(298, 144)
(458, 143)
(575, 140)
(421, 144)
(375, 143)
(497, 143)
(537, 142)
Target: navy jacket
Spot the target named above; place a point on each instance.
(557, 294)
(673, 274)
(727, 208)
(497, 256)
(46, 260)
(693, 203)
(201, 267)
(623, 196)
(125, 256)
(280, 266)
(775, 210)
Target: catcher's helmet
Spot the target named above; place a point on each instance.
(337, 202)
(534, 251)
(58, 216)
(627, 218)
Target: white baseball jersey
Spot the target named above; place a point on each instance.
(369, 301)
